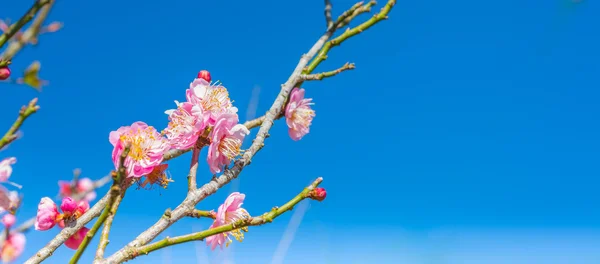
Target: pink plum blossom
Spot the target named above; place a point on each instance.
(212, 98)
(8, 220)
(228, 212)
(298, 114)
(13, 247)
(75, 240)
(84, 185)
(147, 148)
(6, 168)
(47, 214)
(226, 141)
(186, 123)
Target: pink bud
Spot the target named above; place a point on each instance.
(68, 206)
(9, 220)
(318, 194)
(205, 75)
(47, 214)
(4, 73)
(75, 240)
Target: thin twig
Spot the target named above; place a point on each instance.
(328, 19)
(265, 218)
(30, 34)
(89, 236)
(361, 10)
(24, 113)
(117, 191)
(320, 76)
(14, 28)
(107, 225)
(349, 33)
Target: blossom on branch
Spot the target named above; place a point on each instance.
(186, 123)
(298, 114)
(226, 141)
(213, 99)
(147, 148)
(228, 212)
(84, 185)
(47, 214)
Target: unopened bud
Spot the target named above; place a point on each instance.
(318, 194)
(205, 75)
(9, 220)
(4, 73)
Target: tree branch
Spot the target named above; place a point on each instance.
(13, 29)
(68, 231)
(349, 33)
(24, 113)
(265, 218)
(199, 194)
(117, 191)
(328, 19)
(320, 76)
(31, 33)
(74, 226)
(89, 236)
(258, 143)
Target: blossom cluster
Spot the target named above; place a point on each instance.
(207, 112)
(14, 243)
(48, 216)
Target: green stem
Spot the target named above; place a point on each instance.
(13, 29)
(24, 113)
(252, 221)
(346, 35)
(89, 236)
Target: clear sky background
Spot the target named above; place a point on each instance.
(467, 134)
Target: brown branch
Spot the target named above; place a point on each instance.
(24, 113)
(361, 10)
(320, 76)
(265, 218)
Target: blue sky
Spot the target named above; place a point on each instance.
(467, 134)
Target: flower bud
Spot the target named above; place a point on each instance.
(75, 240)
(9, 220)
(68, 206)
(318, 194)
(205, 75)
(4, 73)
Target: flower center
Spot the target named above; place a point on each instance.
(230, 147)
(303, 116)
(216, 99)
(139, 142)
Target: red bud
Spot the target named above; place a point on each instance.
(205, 75)
(4, 73)
(318, 194)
